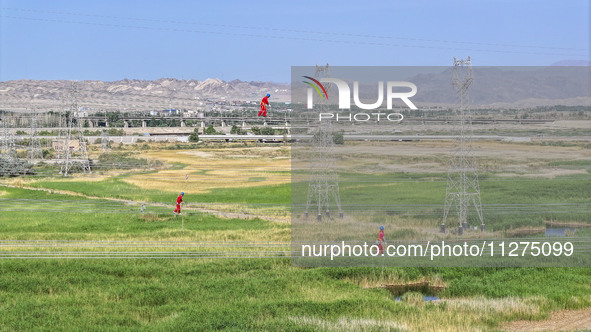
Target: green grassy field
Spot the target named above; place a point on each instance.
(267, 293)
(40, 215)
(117, 188)
(244, 294)
(429, 189)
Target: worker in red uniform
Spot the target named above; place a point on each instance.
(264, 104)
(179, 200)
(381, 239)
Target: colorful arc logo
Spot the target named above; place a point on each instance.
(316, 87)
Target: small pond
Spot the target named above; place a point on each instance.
(559, 231)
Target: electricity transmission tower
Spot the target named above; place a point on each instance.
(73, 146)
(8, 152)
(9, 163)
(34, 151)
(324, 184)
(105, 144)
(463, 189)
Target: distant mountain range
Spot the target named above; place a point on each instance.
(505, 87)
(512, 86)
(498, 87)
(136, 94)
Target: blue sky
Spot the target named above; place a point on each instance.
(261, 40)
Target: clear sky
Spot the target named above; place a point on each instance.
(260, 40)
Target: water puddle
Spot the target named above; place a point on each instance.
(547, 231)
(428, 291)
(560, 231)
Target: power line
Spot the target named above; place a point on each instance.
(349, 42)
(329, 33)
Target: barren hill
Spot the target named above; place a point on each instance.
(136, 94)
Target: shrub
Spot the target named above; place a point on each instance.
(194, 137)
(237, 131)
(338, 137)
(267, 131)
(115, 132)
(47, 153)
(210, 130)
(256, 130)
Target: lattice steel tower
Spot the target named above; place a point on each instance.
(463, 189)
(323, 187)
(105, 144)
(8, 148)
(34, 151)
(72, 154)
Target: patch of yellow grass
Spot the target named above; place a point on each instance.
(269, 235)
(217, 168)
(468, 314)
(348, 324)
(505, 306)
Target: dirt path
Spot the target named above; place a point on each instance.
(217, 213)
(564, 320)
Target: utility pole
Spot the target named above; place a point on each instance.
(463, 189)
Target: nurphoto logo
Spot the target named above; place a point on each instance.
(344, 93)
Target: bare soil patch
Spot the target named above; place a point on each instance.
(564, 320)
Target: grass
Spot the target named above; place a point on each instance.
(45, 216)
(128, 226)
(265, 294)
(506, 202)
(269, 293)
(118, 188)
(366, 190)
(211, 169)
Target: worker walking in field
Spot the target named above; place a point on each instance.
(179, 200)
(264, 104)
(381, 239)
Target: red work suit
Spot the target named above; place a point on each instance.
(179, 200)
(264, 104)
(381, 241)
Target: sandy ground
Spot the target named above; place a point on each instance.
(564, 320)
